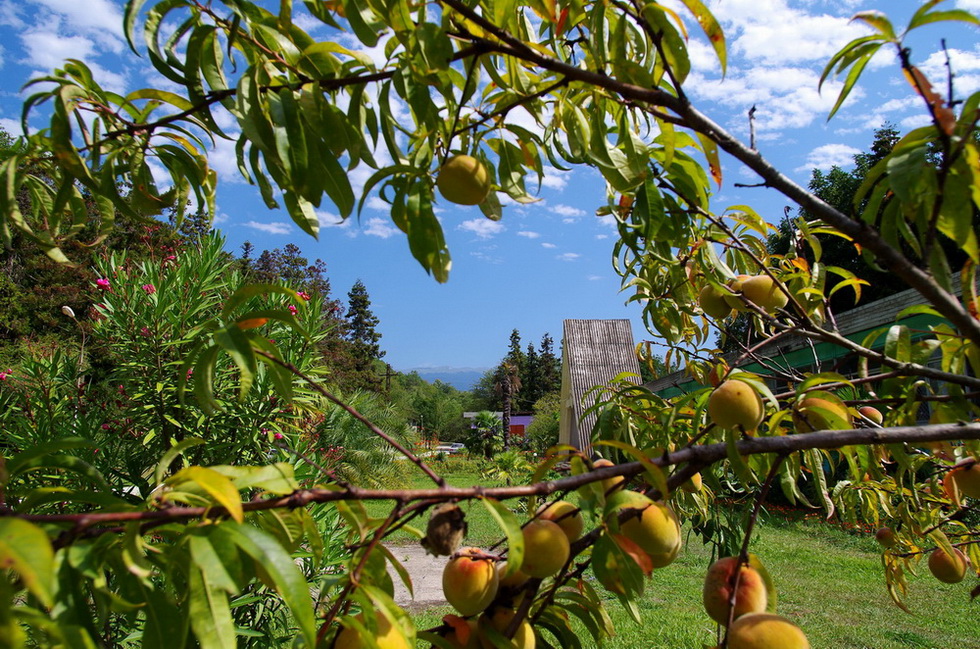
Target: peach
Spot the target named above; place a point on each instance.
(751, 597)
(693, 484)
(966, 479)
(734, 299)
(386, 635)
(566, 515)
(765, 631)
(817, 413)
(736, 405)
(872, 413)
(947, 569)
(499, 621)
(546, 549)
(886, 537)
(463, 180)
(712, 302)
(763, 291)
(655, 529)
(609, 483)
(469, 581)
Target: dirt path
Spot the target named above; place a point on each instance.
(426, 573)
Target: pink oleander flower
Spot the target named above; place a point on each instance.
(4, 375)
(102, 283)
(304, 295)
(278, 436)
(292, 309)
(106, 426)
(149, 288)
(145, 332)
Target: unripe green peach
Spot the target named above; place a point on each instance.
(816, 413)
(751, 596)
(735, 405)
(712, 302)
(566, 515)
(463, 180)
(763, 291)
(947, 569)
(655, 529)
(733, 299)
(469, 581)
(386, 636)
(765, 631)
(546, 549)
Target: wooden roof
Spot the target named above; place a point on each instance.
(593, 353)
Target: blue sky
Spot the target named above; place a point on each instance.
(550, 260)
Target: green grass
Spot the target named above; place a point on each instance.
(829, 582)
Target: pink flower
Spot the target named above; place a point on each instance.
(304, 295)
(4, 375)
(106, 426)
(292, 309)
(278, 436)
(145, 331)
(102, 283)
(149, 288)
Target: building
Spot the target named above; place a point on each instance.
(519, 421)
(593, 353)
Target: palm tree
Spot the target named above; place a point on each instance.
(507, 384)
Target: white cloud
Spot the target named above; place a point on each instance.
(89, 15)
(567, 211)
(549, 246)
(826, 156)
(528, 234)
(969, 5)
(568, 256)
(378, 227)
(276, 227)
(483, 228)
(553, 178)
(965, 65)
(600, 237)
(12, 126)
(594, 278)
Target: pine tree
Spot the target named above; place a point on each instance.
(530, 379)
(549, 367)
(361, 323)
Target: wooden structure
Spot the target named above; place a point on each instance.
(593, 353)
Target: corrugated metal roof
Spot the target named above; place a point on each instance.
(593, 353)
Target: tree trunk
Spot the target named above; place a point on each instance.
(505, 420)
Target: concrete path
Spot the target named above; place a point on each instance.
(426, 573)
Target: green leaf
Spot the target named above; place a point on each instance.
(511, 527)
(285, 575)
(209, 613)
(26, 549)
(172, 454)
(249, 291)
(220, 488)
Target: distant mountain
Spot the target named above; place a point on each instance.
(461, 378)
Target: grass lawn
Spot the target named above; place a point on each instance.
(829, 582)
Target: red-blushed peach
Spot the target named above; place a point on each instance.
(872, 413)
(949, 569)
(469, 581)
(566, 515)
(886, 537)
(765, 631)
(751, 596)
(546, 549)
(654, 529)
(735, 405)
